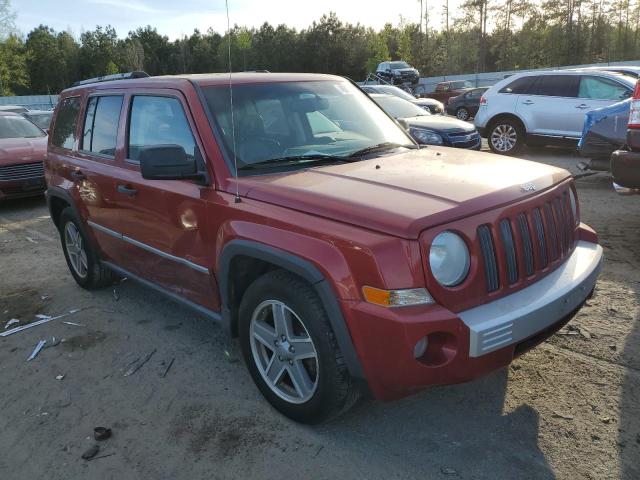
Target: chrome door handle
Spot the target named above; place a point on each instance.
(582, 106)
(127, 190)
(528, 102)
(77, 175)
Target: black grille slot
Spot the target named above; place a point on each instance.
(542, 243)
(570, 221)
(23, 171)
(509, 251)
(526, 243)
(489, 257)
(562, 225)
(553, 233)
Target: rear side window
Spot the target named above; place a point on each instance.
(599, 88)
(557, 86)
(64, 133)
(158, 121)
(520, 85)
(101, 125)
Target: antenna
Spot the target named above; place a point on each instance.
(233, 124)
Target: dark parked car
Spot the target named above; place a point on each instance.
(625, 164)
(41, 118)
(465, 105)
(431, 104)
(397, 72)
(605, 131)
(430, 129)
(23, 147)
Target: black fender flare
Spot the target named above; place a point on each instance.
(302, 268)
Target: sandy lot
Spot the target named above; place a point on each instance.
(569, 409)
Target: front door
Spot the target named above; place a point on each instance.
(163, 222)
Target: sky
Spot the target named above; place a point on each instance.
(176, 18)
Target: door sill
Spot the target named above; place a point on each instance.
(213, 315)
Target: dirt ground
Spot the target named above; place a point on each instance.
(569, 409)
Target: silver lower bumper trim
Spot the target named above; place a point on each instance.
(522, 314)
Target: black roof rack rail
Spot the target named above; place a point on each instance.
(115, 76)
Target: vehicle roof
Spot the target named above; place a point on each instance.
(9, 114)
(207, 79)
(453, 81)
(8, 107)
(39, 112)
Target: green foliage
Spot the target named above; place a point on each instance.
(481, 35)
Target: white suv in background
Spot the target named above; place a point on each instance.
(545, 108)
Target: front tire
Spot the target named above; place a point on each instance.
(290, 349)
(82, 260)
(506, 137)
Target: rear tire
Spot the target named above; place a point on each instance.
(506, 137)
(463, 114)
(82, 260)
(291, 351)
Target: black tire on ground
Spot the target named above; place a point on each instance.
(96, 275)
(336, 391)
(463, 114)
(506, 136)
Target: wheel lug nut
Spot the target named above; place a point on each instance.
(280, 358)
(290, 362)
(283, 338)
(292, 350)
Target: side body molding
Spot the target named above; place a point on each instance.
(302, 268)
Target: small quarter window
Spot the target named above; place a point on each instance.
(64, 132)
(101, 125)
(158, 121)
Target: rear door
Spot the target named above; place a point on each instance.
(553, 108)
(83, 170)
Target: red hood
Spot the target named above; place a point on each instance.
(22, 150)
(409, 192)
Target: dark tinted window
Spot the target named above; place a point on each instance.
(101, 125)
(64, 134)
(520, 85)
(557, 85)
(158, 121)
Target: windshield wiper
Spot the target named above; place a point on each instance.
(295, 160)
(380, 147)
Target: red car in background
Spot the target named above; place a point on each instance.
(23, 147)
(445, 90)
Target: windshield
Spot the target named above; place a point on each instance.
(395, 65)
(461, 84)
(395, 91)
(399, 108)
(43, 120)
(18, 127)
(275, 121)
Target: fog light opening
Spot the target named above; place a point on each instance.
(420, 347)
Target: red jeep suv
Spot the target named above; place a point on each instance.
(296, 213)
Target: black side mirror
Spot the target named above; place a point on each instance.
(167, 162)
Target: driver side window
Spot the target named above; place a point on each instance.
(158, 121)
(599, 88)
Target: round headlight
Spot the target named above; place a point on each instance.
(574, 206)
(449, 259)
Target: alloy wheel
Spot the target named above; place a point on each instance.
(75, 250)
(504, 137)
(462, 114)
(283, 352)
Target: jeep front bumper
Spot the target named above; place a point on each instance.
(466, 345)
